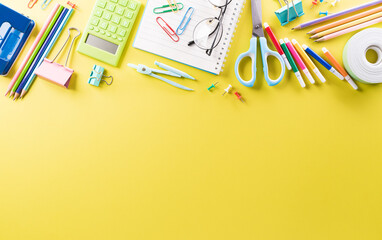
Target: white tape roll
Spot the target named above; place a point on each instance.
(354, 56)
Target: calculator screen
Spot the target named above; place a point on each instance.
(102, 44)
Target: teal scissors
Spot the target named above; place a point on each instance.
(258, 32)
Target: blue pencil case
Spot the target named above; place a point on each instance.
(15, 29)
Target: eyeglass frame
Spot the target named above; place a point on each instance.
(223, 10)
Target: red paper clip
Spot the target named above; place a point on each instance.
(32, 3)
(170, 32)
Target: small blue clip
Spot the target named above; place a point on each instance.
(45, 4)
(183, 24)
(97, 75)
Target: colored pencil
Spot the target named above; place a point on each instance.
(299, 60)
(36, 50)
(335, 15)
(347, 25)
(336, 64)
(307, 60)
(345, 20)
(34, 45)
(51, 44)
(348, 30)
(322, 61)
(35, 64)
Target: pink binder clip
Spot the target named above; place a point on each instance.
(55, 72)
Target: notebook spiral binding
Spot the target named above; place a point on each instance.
(226, 44)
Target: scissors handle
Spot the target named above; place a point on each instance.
(252, 54)
(265, 53)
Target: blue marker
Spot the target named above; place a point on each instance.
(322, 61)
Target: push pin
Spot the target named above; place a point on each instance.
(324, 13)
(314, 3)
(228, 89)
(73, 5)
(96, 76)
(239, 96)
(212, 86)
(334, 2)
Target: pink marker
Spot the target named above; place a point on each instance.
(299, 61)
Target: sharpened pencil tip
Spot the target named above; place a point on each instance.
(292, 28)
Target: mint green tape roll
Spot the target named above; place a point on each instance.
(354, 56)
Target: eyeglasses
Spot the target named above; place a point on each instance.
(208, 32)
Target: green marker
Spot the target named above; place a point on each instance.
(292, 63)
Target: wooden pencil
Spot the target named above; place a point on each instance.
(335, 15)
(348, 30)
(346, 20)
(347, 25)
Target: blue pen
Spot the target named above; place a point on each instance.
(174, 70)
(322, 61)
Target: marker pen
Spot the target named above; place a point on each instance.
(292, 63)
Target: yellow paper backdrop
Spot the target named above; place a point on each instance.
(143, 160)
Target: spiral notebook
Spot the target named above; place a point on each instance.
(151, 37)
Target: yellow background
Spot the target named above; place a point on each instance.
(143, 160)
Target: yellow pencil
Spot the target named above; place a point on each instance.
(307, 60)
(347, 25)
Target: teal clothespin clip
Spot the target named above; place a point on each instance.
(289, 12)
(167, 8)
(45, 4)
(186, 19)
(96, 76)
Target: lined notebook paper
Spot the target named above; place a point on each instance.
(153, 39)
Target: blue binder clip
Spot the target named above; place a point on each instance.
(15, 29)
(289, 12)
(96, 76)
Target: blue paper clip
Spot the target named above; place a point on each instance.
(45, 4)
(96, 76)
(183, 24)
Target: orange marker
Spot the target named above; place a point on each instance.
(340, 69)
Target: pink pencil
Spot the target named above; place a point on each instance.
(37, 40)
(299, 61)
(348, 30)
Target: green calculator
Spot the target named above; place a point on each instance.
(108, 29)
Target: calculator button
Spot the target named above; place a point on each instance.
(114, 36)
(112, 28)
(122, 32)
(91, 27)
(110, 7)
(116, 19)
(119, 39)
(132, 5)
(108, 34)
(129, 14)
(114, 1)
(103, 25)
(120, 11)
(95, 21)
(102, 32)
(123, 2)
(101, 3)
(98, 12)
(96, 29)
(125, 23)
(107, 16)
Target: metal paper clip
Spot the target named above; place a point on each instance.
(45, 4)
(170, 32)
(96, 76)
(173, 5)
(167, 8)
(32, 3)
(186, 19)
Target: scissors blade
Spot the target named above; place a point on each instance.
(257, 19)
